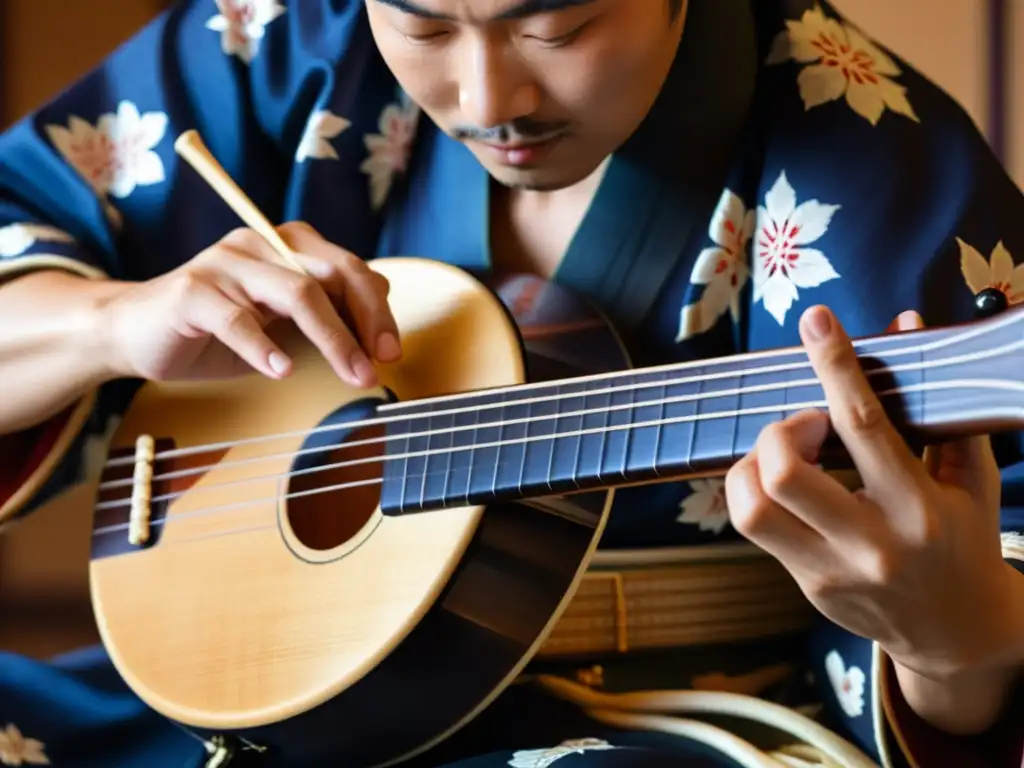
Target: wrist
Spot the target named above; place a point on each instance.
(101, 339)
(969, 693)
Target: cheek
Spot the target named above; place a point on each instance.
(586, 80)
(422, 76)
(606, 87)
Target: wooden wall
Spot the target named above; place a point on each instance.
(48, 43)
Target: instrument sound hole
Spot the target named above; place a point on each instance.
(324, 515)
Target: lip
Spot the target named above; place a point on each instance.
(523, 154)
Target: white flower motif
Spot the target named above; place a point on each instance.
(841, 62)
(242, 24)
(997, 272)
(848, 684)
(722, 269)
(15, 749)
(116, 155)
(542, 758)
(15, 239)
(781, 264)
(322, 125)
(389, 149)
(705, 506)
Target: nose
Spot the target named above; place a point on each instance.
(494, 87)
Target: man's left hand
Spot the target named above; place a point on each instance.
(912, 560)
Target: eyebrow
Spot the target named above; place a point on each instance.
(520, 10)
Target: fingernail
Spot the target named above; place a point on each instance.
(388, 348)
(817, 323)
(278, 363)
(362, 369)
(321, 270)
(909, 321)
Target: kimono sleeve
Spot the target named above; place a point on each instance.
(982, 249)
(90, 182)
(958, 223)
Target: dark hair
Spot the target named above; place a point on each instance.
(675, 7)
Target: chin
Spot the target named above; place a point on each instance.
(530, 185)
(540, 178)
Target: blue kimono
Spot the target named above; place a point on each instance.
(802, 164)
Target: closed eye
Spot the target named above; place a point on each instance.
(562, 40)
(424, 39)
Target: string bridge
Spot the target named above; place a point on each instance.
(136, 485)
(142, 491)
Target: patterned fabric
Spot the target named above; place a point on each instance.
(831, 173)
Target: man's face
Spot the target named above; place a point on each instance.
(541, 91)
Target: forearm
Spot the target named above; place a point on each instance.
(972, 700)
(53, 348)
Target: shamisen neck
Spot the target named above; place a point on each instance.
(685, 419)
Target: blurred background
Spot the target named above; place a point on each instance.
(973, 48)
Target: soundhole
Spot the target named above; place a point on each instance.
(334, 488)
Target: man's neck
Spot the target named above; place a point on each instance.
(531, 230)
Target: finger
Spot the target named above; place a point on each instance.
(765, 523)
(788, 452)
(883, 459)
(905, 321)
(969, 464)
(301, 298)
(239, 329)
(363, 291)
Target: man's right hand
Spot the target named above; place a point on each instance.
(206, 319)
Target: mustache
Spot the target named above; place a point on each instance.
(523, 129)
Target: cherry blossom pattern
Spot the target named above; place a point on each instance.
(15, 239)
(116, 155)
(16, 749)
(315, 143)
(705, 507)
(722, 269)
(847, 683)
(781, 263)
(542, 758)
(998, 271)
(841, 61)
(242, 25)
(389, 150)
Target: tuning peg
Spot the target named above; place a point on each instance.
(989, 302)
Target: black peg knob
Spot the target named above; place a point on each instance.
(989, 302)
